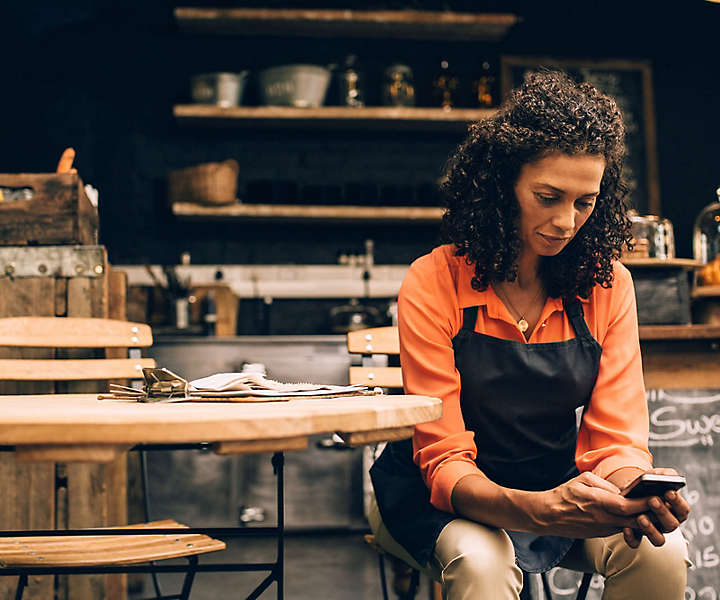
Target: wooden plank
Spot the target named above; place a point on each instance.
(73, 332)
(74, 369)
(396, 24)
(107, 550)
(661, 263)
(679, 332)
(28, 498)
(706, 291)
(117, 295)
(681, 364)
(388, 377)
(375, 340)
(258, 446)
(91, 453)
(301, 212)
(60, 297)
(359, 438)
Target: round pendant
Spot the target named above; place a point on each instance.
(522, 325)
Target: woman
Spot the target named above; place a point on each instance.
(521, 321)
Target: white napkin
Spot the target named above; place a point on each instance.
(255, 384)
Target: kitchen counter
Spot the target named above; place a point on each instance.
(180, 338)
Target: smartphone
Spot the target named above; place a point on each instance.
(650, 484)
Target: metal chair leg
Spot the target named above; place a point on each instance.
(189, 576)
(22, 582)
(582, 591)
(546, 586)
(146, 509)
(525, 592)
(383, 578)
(414, 584)
(278, 463)
(584, 586)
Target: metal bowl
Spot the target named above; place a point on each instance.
(222, 89)
(294, 85)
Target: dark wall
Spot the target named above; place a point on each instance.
(103, 76)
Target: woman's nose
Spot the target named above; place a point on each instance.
(564, 219)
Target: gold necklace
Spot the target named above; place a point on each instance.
(522, 324)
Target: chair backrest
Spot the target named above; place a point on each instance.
(374, 341)
(72, 333)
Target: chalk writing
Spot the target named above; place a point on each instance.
(684, 426)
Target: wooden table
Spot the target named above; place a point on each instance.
(78, 427)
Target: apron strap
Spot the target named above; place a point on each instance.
(469, 318)
(574, 310)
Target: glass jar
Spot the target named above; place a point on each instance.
(706, 243)
(483, 91)
(351, 83)
(398, 89)
(653, 237)
(445, 87)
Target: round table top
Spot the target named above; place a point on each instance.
(81, 420)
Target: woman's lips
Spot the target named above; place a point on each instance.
(554, 240)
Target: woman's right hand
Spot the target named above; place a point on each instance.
(584, 507)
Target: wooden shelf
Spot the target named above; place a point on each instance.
(685, 263)
(705, 291)
(679, 332)
(300, 212)
(330, 117)
(400, 24)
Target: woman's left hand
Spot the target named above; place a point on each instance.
(664, 516)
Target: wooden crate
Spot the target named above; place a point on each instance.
(49, 495)
(58, 212)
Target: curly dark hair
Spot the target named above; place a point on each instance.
(549, 112)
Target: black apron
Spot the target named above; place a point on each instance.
(520, 400)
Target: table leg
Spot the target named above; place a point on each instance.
(278, 462)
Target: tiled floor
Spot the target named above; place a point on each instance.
(322, 492)
(317, 567)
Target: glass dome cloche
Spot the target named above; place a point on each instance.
(706, 243)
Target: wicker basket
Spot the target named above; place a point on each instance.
(209, 183)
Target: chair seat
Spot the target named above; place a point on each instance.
(103, 550)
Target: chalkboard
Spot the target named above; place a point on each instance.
(630, 83)
(684, 428)
(684, 425)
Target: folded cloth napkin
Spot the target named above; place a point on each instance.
(255, 384)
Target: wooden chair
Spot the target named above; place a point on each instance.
(64, 335)
(385, 341)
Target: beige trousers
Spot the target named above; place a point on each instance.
(476, 561)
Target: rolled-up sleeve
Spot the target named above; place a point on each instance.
(427, 316)
(614, 430)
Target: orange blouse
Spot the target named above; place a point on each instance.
(614, 430)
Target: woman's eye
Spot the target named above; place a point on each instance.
(585, 205)
(546, 199)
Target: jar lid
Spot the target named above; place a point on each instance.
(398, 68)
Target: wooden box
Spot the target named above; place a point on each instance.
(662, 289)
(58, 211)
(47, 495)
